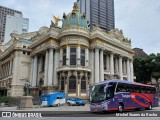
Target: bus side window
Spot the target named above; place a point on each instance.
(153, 90)
(121, 87)
(136, 88)
(129, 88)
(113, 84)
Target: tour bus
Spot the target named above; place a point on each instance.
(120, 95)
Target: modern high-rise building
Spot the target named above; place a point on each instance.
(10, 21)
(98, 12)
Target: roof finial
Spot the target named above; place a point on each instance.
(75, 7)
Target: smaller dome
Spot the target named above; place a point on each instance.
(43, 30)
(75, 18)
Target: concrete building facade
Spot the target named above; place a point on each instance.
(98, 12)
(11, 20)
(68, 59)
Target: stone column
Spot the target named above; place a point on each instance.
(125, 71)
(2, 75)
(46, 68)
(92, 66)
(131, 64)
(101, 72)
(78, 55)
(66, 81)
(10, 67)
(68, 56)
(55, 80)
(5, 70)
(39, 68)
(87, 57)
(32, 68)
(41, 63)
(87, 85)
(111, 64)
(50, 67)
(120, 67)
(128, 70)
(78, 88)
(96, 65)
(116, 65)
(107, 62)
(61, 57)
(35, 70)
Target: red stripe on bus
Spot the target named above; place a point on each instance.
(129, 108)
(136, 101)
(112, 108)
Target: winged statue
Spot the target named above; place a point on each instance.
(56, 20)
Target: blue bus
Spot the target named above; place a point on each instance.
(120, 95)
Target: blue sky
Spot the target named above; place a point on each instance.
(139, 19)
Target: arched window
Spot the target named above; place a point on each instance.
(72, 84)
(83, 84)
(62, 83)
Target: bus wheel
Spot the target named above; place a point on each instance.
(120, 108)
(150, 106)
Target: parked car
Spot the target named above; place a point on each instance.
(75, 101)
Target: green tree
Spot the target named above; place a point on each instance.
(156, 69)
(147, 68)
(142, 70)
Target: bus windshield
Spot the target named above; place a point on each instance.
(98, 94)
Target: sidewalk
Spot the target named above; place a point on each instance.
(38, 108)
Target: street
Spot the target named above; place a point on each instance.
(82, 111)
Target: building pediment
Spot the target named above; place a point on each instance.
(118, 34)
(51, 33)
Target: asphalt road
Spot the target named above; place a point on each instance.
(87, 115)
(141, 113)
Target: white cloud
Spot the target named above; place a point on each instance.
(40, 12)
(139, 20)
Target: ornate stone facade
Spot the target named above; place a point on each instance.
(68, 59)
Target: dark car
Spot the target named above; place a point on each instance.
(75, 101)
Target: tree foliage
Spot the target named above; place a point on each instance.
(147, 68)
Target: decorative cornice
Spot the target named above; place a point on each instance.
(66, 68)
(74, 31)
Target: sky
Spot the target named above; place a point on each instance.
(139, 19)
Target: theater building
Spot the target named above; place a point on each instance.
(69, 59)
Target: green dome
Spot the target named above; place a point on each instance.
(74, 19)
